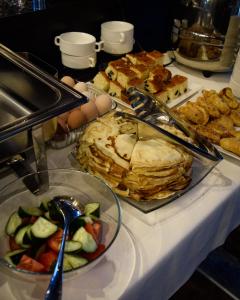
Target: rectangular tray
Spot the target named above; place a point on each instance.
(200, 169)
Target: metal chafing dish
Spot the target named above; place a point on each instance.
(29, 96)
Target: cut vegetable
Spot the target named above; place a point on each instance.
(72, 246)
(43, 229)
(92, 209)
(13, 223)
(29, 211)
(75, 261)
(44, 204)
(86, 239)
(14, 257)
(19, 238)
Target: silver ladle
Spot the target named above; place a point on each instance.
(70, 208)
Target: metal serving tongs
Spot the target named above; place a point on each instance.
(152, 112)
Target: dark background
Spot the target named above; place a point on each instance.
(35, 31)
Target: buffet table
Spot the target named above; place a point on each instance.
(155, 253)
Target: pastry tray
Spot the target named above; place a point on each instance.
(201, 167)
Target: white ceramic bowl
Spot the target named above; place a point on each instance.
(79, 62)
(61, 182)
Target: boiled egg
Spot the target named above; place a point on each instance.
(90, 110)
(103, 103)
(76, 119)
(68, 80)
(80, 87)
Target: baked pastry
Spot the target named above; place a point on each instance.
(162, 95)
(153, 85)
(160, 72)
(156, 56)
(124, 75)
(141, 70)
(114, 66)
(101, 81)
(115, 89)
(227, 96)
(141, 58)
(135, 82)
(181, 82)
(231, 144)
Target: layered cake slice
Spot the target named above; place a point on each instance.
(156, 56)
(101, 81)
(124, 75)
(153, 85)
(114, 66)
(115, 89)
(161, 72)
(141, 70)
(181, 82)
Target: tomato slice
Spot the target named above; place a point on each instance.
(55, 240)
(12, 244)
(48, 259)
(30, 264)
(91, 256)
(95, 229)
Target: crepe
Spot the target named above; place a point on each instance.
(143, 168)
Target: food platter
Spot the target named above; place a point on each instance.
(199, 171)
(138, 179)
(215, 128)
(193, 88)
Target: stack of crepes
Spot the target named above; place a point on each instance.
(133, 159)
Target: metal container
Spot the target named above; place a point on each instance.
(207, 36)
(29, 96)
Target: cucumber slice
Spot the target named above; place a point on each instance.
(44, 204)
(27, 238)
(75, 261)
(42, 228)
(29, 211)
(20, 236)
(13, 223)
(92, 209)
(76, 224)
(86, 239)
(13, 257)
(66, 264)
(72, 246)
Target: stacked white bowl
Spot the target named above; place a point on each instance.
(78, 49)
(117, 37)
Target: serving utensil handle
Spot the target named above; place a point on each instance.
(54, 290)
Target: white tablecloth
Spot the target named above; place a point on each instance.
(156, 253)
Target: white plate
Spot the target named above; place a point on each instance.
(193, 88)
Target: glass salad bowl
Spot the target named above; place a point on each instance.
(29, 231)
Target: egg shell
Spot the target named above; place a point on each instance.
(68, 80)
(80, 87)
(103, 103)
(64, 116)
(76, 119)
(90, 110)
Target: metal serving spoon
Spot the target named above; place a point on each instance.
(70, 208)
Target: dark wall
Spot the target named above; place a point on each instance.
(34, 32)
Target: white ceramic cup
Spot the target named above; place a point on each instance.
(79, 62)
(117, 32)
(77, 43)
(118, 48)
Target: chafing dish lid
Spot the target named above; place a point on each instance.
(29, 96)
